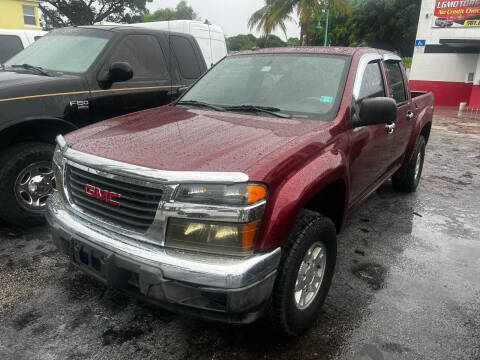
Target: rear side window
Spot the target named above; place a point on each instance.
(145, 56)
(9, 45)
(372, 82)
(397, 85)
(186, 57)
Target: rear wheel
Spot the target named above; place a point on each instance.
(27, 178)
(305, 274)
(407, 178)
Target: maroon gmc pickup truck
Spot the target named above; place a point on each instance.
(226, 204)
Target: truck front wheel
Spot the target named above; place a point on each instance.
(26, 176)
(407, 178)
(305, 274)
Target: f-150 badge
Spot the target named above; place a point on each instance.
(80, 105)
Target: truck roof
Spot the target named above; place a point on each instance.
(335, 50)
(131, 29)
(122, 27)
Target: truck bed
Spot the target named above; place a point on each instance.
(422, 99)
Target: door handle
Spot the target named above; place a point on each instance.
(410, 115)
(390, 128)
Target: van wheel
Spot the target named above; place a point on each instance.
(407, 178)
(305, 274)
(27, 178)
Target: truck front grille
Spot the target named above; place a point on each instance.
(135, 208)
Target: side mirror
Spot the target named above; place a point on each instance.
(119, 71)
(373, 111)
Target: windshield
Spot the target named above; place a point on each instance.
(63, 51)
(301, 85)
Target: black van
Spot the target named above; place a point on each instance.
(73, 77)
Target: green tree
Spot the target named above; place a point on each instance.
(293, 42)
(270, 41)
(265, 21)
(87, 12)
(248, 42)
(386, 24)
(181, 12)
(241, 42)
(276, 12)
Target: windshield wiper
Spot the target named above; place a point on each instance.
(254, 109)
(201, 104)
(32, 67)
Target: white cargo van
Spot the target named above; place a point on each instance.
(210, 38)
(14, 41)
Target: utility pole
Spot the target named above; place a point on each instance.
(326, 28)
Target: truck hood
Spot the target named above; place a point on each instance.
(181, 139)
(19, 84)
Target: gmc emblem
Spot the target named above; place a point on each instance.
(102, 195)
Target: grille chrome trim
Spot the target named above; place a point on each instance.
(136, 212)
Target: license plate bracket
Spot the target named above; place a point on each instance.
(90, 258)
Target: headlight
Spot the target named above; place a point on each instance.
(213, 237)
(219, 194)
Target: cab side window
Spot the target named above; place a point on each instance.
(10, 45)
(186, 57)
(397, 86)
(145, 56)
(372, 82)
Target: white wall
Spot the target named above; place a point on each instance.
(443, 67)
(476, 81)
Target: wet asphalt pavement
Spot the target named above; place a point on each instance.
(407, 284)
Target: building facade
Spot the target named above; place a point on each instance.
(19, 14)
(446, 59)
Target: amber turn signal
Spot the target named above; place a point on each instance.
(248, 235)
(255, 193)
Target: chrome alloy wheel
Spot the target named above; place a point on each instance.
(310, 275)
(33, 186)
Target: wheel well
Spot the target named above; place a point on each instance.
(330, 201)
(35, 130)
(426, 131)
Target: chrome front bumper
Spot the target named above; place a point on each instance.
(213, 283)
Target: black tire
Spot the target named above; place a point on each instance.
(406, 179)
(12, 161)
(310, 228)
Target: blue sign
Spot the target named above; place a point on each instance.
(420, 42)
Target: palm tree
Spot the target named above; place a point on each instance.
(264, 21)
(275, 12)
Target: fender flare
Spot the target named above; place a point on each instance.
(296, 191)
(32, 119)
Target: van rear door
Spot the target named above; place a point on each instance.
(219, 45)
(201, 33)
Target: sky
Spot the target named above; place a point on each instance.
(231, 15)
